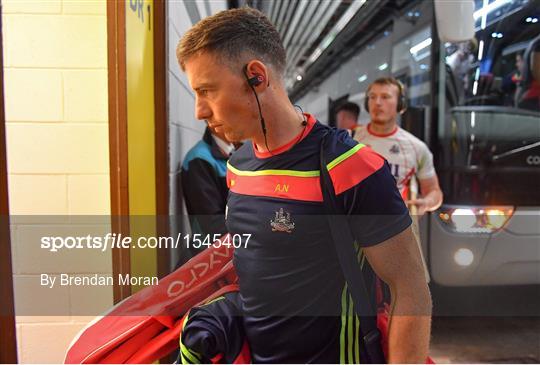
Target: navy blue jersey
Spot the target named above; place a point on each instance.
(293, 295)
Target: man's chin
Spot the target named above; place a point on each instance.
(233, 137)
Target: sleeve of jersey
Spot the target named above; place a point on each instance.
(375, 207)
(425, 165)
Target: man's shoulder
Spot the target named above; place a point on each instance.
(201, 150)
(360, 132)
(350, 162)
(402, 134)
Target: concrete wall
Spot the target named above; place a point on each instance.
(55, 70)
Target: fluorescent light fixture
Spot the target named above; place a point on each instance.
(485, 10)
(338, 27)
(480, 50)
(528, 20)
(346, 18)
(484, 16)
(473, 119)
(534, 20)
(362, 78)
(383, 67)
(315, 55)
(298, 77)
(496, 35)
(421, 56)
(420, 46)
(475, 88)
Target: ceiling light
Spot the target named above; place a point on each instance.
(480, 50)
(420, 46)
(299, 78)
(421, 56)
(383, 67)
(338, 27)
(362, 78)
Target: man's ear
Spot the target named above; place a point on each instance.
(257, 69)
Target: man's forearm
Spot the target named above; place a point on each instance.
(409, 339)
(433, 200)
(410, 328)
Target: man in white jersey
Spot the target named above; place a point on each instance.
(407, 155)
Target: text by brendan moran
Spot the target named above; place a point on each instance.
(51, 281)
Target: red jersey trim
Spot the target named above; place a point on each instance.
(305, 185)
(305, 131)
(355, 169)
(370, 131)
(276, 186)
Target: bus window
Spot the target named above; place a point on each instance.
(489, 141)
(495, 67)
(411, 61)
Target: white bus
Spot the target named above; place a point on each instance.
(475, 104)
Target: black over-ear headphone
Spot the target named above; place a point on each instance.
(402, 101)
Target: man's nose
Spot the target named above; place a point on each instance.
(202, 110)
(375, 100)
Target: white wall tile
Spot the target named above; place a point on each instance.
(58, 148)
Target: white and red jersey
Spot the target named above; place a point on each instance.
(406, 154)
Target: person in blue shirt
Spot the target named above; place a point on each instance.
(204, 186)
(293, 299)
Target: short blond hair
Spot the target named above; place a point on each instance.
(389, 81)
(233, 35)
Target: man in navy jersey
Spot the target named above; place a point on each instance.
(293, 296)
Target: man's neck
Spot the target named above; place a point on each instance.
(283, 124)
(382, 128)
